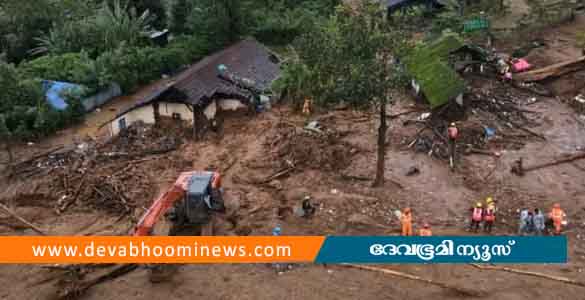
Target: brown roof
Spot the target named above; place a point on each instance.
(200, 82)
(247, 58)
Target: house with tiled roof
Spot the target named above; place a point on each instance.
(201, 92)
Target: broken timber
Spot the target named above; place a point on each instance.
(519, 169)
(529, 273)
(27, 223)
(462, 291)
(555, 70)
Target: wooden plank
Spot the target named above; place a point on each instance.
(555, 70)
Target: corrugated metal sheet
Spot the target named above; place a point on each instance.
(99, 99)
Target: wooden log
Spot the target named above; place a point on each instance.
(555, 70)
(530, 273)
(21, 219)
(460, 290)
(40, 155)
(552, 163)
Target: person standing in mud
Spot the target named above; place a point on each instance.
(539, 222)
(489, 216)
(476, 217)
(453, 133)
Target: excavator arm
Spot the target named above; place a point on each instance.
(162, 204)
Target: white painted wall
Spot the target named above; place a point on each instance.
(167, 109)
(145, 114)
(223, 104)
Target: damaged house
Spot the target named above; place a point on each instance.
(433, 77)
(231, 79)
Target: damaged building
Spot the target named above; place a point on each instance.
(230, 80)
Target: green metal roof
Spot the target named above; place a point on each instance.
(428, 65)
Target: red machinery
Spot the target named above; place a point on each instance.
(189, 202)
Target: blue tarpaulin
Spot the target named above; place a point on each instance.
(55, 92)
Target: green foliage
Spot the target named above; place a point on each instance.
(281, 26)
(156, 8)
(71, 67)
(9, 83)
(20, 22)
(218, 22)
(180, 10)
(349, 58)
(111, 26)
(134, 66)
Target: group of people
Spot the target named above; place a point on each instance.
(406, 221)
(483, 214)
(535, 222)
(531, 221)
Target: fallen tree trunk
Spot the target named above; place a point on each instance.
(81, 287)
(549, 164)
(530, 273)
(459, 290)
(27, 223)
(555, 70)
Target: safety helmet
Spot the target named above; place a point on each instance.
(489, 200)
(452, 123)
(307, 197)
(556, 205)
(426, 225)
(276, 230)
(478, 204)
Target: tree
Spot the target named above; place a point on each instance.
(6, 136)
(179, 13)
(220, 22)
(112, 26)
(155, 8)
(352, 57)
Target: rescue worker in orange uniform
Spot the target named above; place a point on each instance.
(307, 106)
(476, 216)
(489, 215)
(406, 220)
(558, 216)
(425, 231)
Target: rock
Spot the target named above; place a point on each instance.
(275, 184)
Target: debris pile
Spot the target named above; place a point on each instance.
(109, 176)
(493, 121)
(309, 147)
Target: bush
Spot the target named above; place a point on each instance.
(133, 66)
(71, 67)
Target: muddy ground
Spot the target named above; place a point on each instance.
(252, 148)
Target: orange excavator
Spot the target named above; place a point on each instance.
(187, 204)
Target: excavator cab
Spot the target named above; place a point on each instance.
(201, 198)
(203, 195)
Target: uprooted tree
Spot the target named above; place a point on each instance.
(351, 58)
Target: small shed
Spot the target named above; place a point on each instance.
(432, 76)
